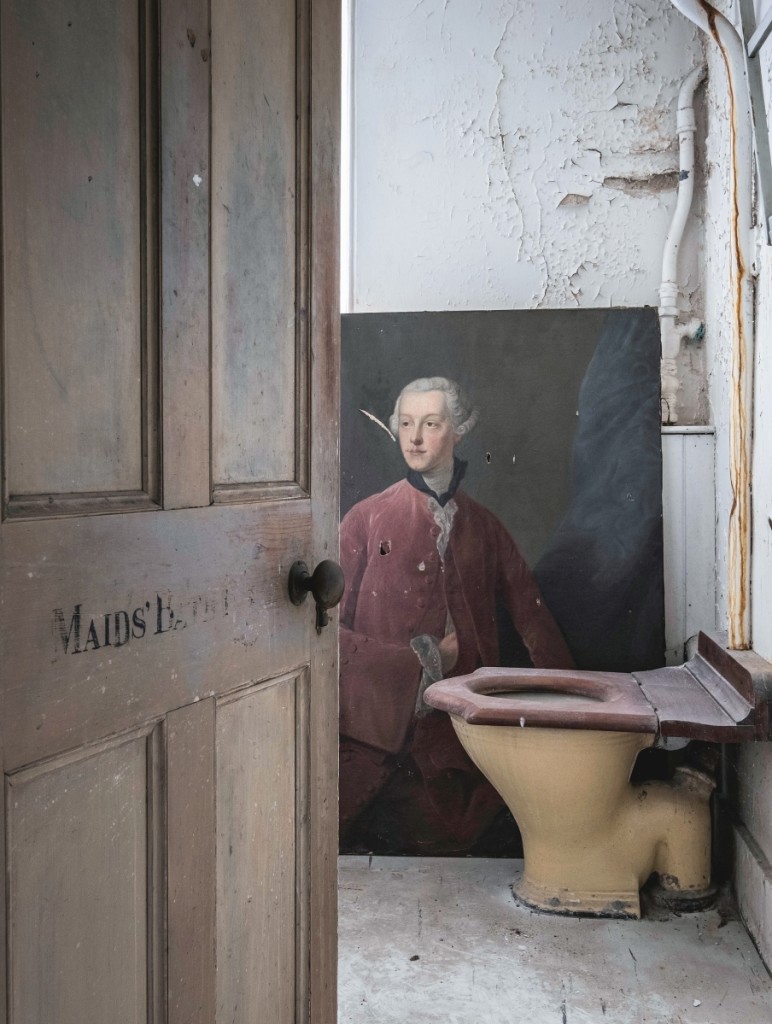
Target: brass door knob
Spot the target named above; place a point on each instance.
(326, 583)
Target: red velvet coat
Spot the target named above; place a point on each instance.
(397, 588)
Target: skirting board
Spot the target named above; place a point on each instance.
(753, 885)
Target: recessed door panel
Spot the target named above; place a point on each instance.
(82, 933)
(260, 789)
(259, 254)
(78, 216)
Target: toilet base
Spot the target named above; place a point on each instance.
(577, 904)
(679, 901)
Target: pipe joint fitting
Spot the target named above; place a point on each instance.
(668, 299)
(686, 121)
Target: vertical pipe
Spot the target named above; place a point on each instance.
(671, 330)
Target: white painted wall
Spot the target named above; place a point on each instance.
(754, 833)
(689, 530)
(514, 153)
(716, 307)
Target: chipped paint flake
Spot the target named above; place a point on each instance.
(667, 181)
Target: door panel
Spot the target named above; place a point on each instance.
(190, 815)
(260, 790)
(185, 66)
(258, 249)
(168, 719)
(78, 236)
(97, 952)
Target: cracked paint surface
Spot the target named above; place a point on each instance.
(515, 153)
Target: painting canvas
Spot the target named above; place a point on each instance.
(502, 509)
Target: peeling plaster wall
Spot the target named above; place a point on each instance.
(514, 154)
(717, 305)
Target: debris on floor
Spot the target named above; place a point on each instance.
(425, 940)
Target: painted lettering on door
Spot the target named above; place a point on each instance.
(77, 632)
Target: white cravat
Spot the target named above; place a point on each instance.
(439, 480)
(443, 517)
(424, 646)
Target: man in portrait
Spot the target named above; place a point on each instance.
(425, 567)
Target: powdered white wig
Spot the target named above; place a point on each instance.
(463, 414)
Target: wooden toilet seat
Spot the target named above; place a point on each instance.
(718, 695)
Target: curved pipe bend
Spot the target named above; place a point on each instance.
(686, 127)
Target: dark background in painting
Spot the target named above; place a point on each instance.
(567, 454)
(602, 572)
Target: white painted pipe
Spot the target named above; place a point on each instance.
(707, 18)
(672, 332)
(686, 127)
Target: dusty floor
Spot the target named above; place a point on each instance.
(441, 939)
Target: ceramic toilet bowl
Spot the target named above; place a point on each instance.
(560, 748)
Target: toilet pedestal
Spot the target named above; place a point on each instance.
(590, 838)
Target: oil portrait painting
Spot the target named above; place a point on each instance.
(488, 519)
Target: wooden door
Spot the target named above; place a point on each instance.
(169, 356)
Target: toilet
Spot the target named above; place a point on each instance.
(560, 745)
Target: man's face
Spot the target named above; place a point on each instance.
(426, 434)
